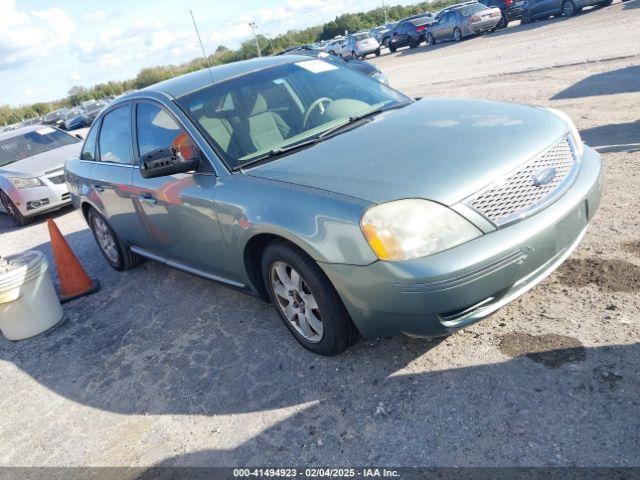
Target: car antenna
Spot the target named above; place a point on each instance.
(204, 54)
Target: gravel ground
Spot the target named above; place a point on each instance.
(160, 367)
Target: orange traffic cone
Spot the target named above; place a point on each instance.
(74, 281)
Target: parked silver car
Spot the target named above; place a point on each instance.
(334, 47)
(359, 45)
(32, 170)
(462, 20)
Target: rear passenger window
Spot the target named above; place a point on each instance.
(115, 136)
(89, 147)
(157, 129)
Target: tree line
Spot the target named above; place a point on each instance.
(349, 22)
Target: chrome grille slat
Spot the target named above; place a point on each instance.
(517, 194)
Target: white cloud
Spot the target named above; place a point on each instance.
(95, 16)
(29, 36)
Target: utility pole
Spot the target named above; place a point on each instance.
(386, 17)
(255, 37)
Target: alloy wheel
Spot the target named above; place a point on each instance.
(568, 8)
(296, 302)
(457, 35)
(105, 239)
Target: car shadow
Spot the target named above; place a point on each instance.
(614, 138)
(623, 80)
(518, 412)
(631, 5)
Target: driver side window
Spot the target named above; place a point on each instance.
(157, 129)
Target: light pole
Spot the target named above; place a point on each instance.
(255, 37)
(384, 8)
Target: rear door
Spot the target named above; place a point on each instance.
(178, 210)
(111, 175)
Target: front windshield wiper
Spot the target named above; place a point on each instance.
(361, 116)
(351, 122)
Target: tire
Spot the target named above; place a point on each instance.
(568, 8)
(457, 34)
(354, 55)
(378, 52)
(13, 212)
(392, 49)
(385, 42)
(124, 258)
(338, 331)
(526, 18)
(430, 39)
(606, 3)
(413, 44)
(503, 23)
(331, 52)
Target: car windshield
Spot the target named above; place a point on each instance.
(471, 9)
(362, 36)
(32, 143)
(260, 112)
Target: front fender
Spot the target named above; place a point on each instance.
(323, 224)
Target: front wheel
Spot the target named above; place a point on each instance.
(526, 17)
(457, 34)
(568, 8)
(13, 212)
(306, 301)
(114, 250)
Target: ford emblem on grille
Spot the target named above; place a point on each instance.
(544, 176)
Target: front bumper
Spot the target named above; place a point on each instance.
(56, 195)
(441, 293)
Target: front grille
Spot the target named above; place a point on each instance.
(518, 194)
(58, 180)
(65, 196)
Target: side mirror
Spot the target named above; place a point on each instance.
(167, 161)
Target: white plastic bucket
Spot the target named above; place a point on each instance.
(28, 301)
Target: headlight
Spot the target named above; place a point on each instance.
(26, 182)
(575, 135)
(413, 228)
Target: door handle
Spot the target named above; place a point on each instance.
(98, 188)
(148, 199)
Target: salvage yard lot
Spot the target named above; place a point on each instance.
(160, 367)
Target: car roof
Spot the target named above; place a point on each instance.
(177, 86)
(21, 131)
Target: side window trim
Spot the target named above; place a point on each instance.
(134, 131)
(104, 114)
(97, 127)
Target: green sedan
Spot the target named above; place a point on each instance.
(353, 209)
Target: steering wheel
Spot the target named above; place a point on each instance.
(320, 104)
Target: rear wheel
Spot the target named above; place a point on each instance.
(430, 39)
(568, 8)
(354, 55)
(503, 23)
(413, 44)
(378, 52)
(306, 301)
(606, 3)
(13, 211)
(526, 17)
(457, 34)
(392, 49)
(115, 252)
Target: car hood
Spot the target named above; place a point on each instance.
(43, 163)
(441, 150)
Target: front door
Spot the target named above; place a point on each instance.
(178, 210)
(111, 174)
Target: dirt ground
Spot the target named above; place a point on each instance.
(160, 367)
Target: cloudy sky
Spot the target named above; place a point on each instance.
(46, 47)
